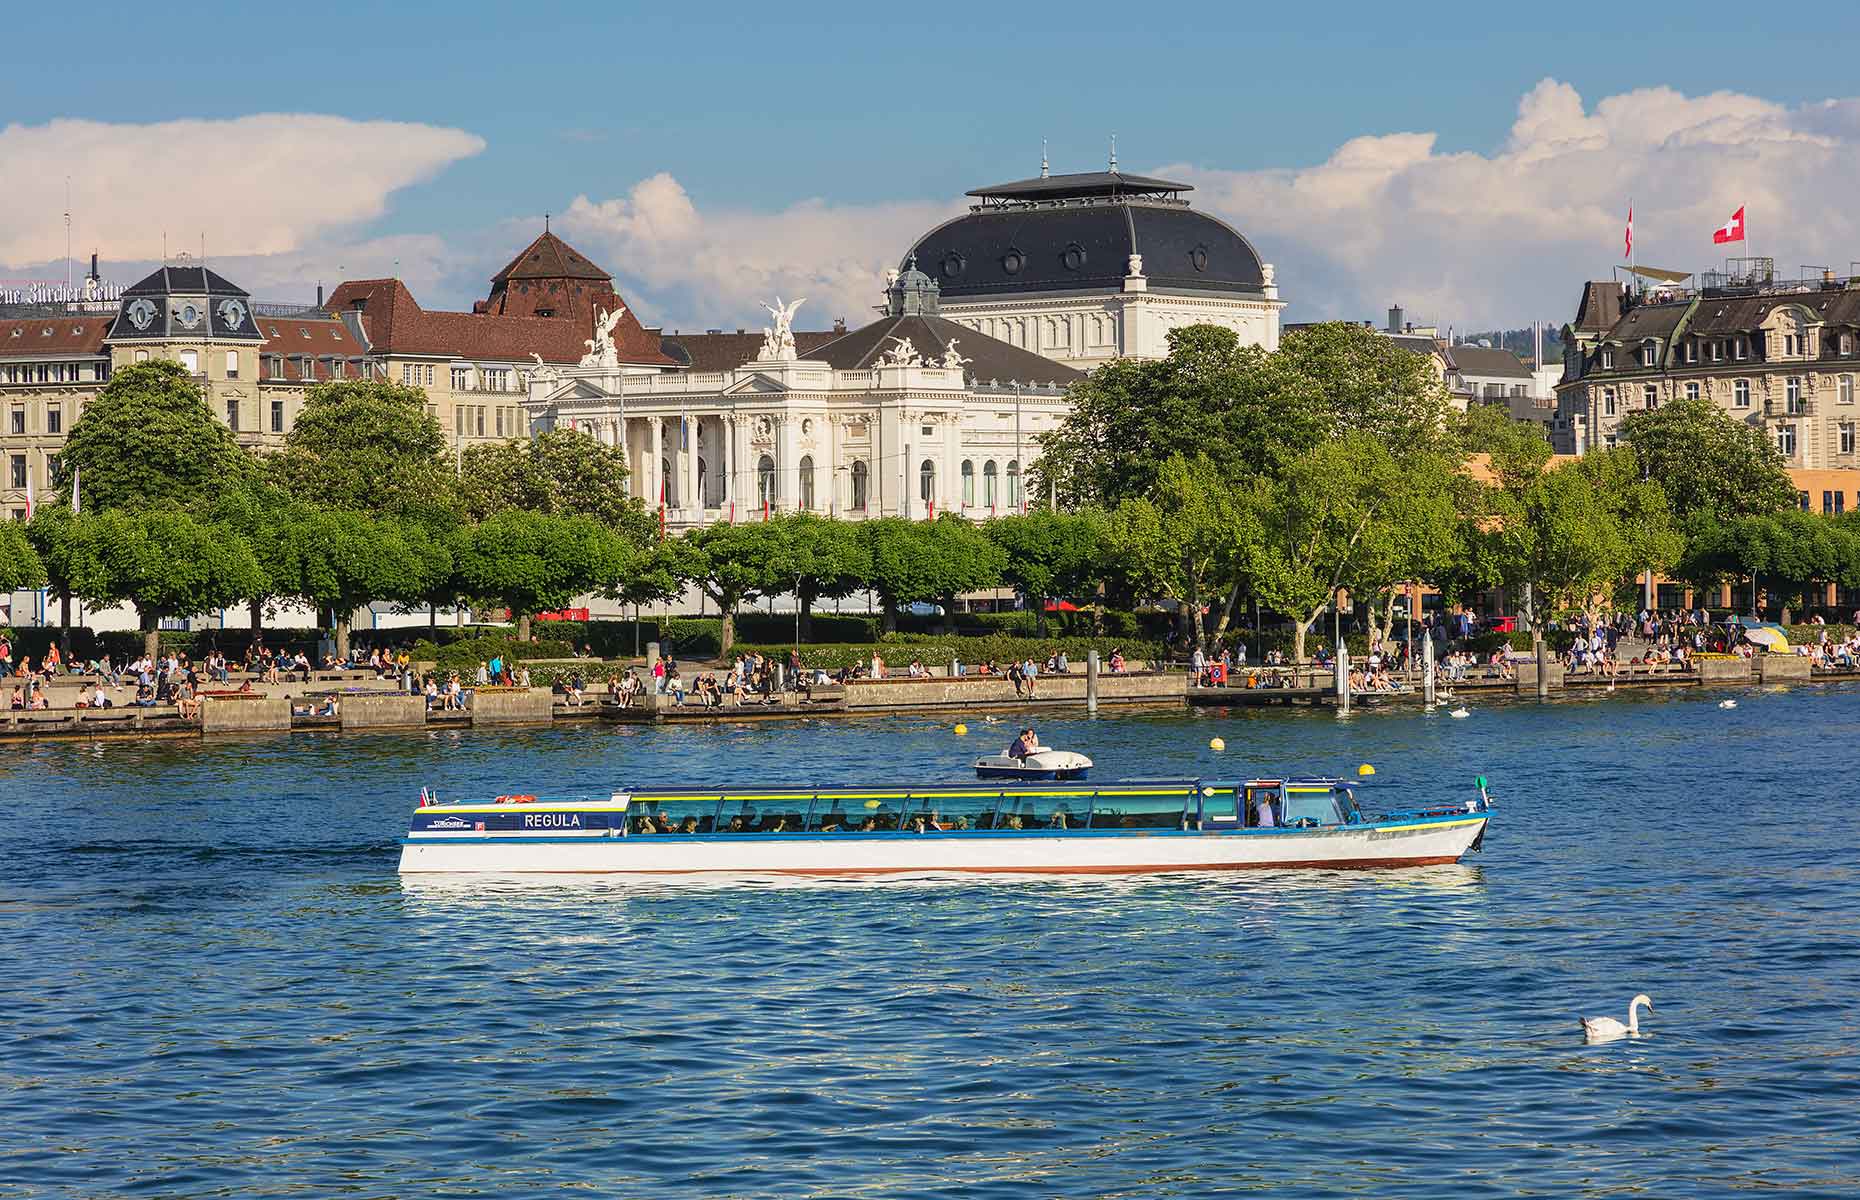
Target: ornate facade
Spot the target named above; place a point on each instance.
(911, 416)
(1782, 357)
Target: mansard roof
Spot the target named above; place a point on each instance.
(990, 360)
(549, 257)
(52, 337)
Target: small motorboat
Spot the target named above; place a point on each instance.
(1044, 763)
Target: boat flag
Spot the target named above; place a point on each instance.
(76, 474)
(1732, 230)
(1630, 232)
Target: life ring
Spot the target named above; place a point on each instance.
(516, 800)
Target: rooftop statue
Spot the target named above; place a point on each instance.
(901, 354)
(601, 351)
(778, 342)
(951, 359)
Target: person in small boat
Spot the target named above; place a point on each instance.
(1027, 743)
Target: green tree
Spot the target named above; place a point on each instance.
(21, 568)
(1239, 406)
(919, 561)
(1416, 536)
(732, 564)
(147, 439)
(561, 472)
(1319, 525)
(1371, 384)
(1049, 553)
(366, 445)
(531, 563)
(1791, 555)
(1186, 541)
(1707, 462)
(823, 559)
(165, 562)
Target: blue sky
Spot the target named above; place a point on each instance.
(882, 114)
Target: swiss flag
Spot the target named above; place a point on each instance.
(1630, 234)
(1732, 230)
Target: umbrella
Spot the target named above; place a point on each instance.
(1769, 638)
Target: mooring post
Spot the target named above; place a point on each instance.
(1343, 677)
(1091, 681)
(1543, 670)
(1427, 666)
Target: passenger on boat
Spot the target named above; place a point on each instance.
(1027, 743)
(688, 825)
(1264, 809)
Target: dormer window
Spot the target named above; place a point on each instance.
(1741, 349)
(1608, 358)
(1649, 353)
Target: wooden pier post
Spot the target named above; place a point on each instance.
(1343, 677)
(1427, 667)
(1091, 681)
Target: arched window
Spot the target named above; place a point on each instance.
(142, 356)
(988, 483)
(858, 487)
(807, 481)
(765, 481)
(232, 364)
(926, 481)
(1013, 480)
(190, 361)
(968, 482)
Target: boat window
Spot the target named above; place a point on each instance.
(953, 811)
(1151, 810)
(779, 814)
(854, 814)
(1312, 806)
(696, 814)
(1266, 794)
(1045, 810)
(1217, 806)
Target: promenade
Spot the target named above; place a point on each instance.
(352, 701)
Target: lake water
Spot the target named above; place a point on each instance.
(215, 984)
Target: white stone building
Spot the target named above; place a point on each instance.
(911, 415)
(1089, 267)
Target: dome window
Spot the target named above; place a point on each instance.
(1198, 257)
(954, 264)
(1073, 256)
(1013, 261)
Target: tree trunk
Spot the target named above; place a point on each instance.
(1227, 614)
(890, 624)
(342, 634)
(151, 633)
(1299, 630)
(727, 637)
(432, 616)
(523, 627)
(64, 625)
(807, 617)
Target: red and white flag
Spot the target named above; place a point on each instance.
(1732, 230)
(1630, 234)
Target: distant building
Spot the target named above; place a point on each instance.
(1089, 267)
(1471, 374)
(1780, 356)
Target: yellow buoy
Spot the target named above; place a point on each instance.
(1217, 744)
(961, 729)
(1365, 769)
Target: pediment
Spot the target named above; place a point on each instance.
(576, 389)
(756, 384)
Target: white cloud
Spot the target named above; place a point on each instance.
(684, 265)
(266, 184)
(1507, 237)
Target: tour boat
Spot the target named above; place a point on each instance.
(1125, 827)
(1045, 765)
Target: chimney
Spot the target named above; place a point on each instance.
(319, 295)
(839, 324)
(1394, 318)
(93, 266)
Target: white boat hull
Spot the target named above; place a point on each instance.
(1399, 844)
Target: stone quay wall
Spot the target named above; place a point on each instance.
(943, 692)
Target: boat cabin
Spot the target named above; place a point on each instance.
(1297, 803)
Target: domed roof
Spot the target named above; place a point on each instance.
(1076, 233)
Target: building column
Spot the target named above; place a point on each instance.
(788, 463)
(835, 501)
(687, 489)
(658, 460)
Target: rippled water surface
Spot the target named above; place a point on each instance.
(215, 984)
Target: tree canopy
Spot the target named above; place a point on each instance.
(147, 439)
(733, 563)
(918, 561)
(561, 472)
(366, 445)
(1707, 462)
(533, 563)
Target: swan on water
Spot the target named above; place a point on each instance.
(1462, 711)
(1607, 1029)
(1727, 704)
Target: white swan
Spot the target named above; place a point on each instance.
(1462, 711)
(1607, 1029)
(1727, 704)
